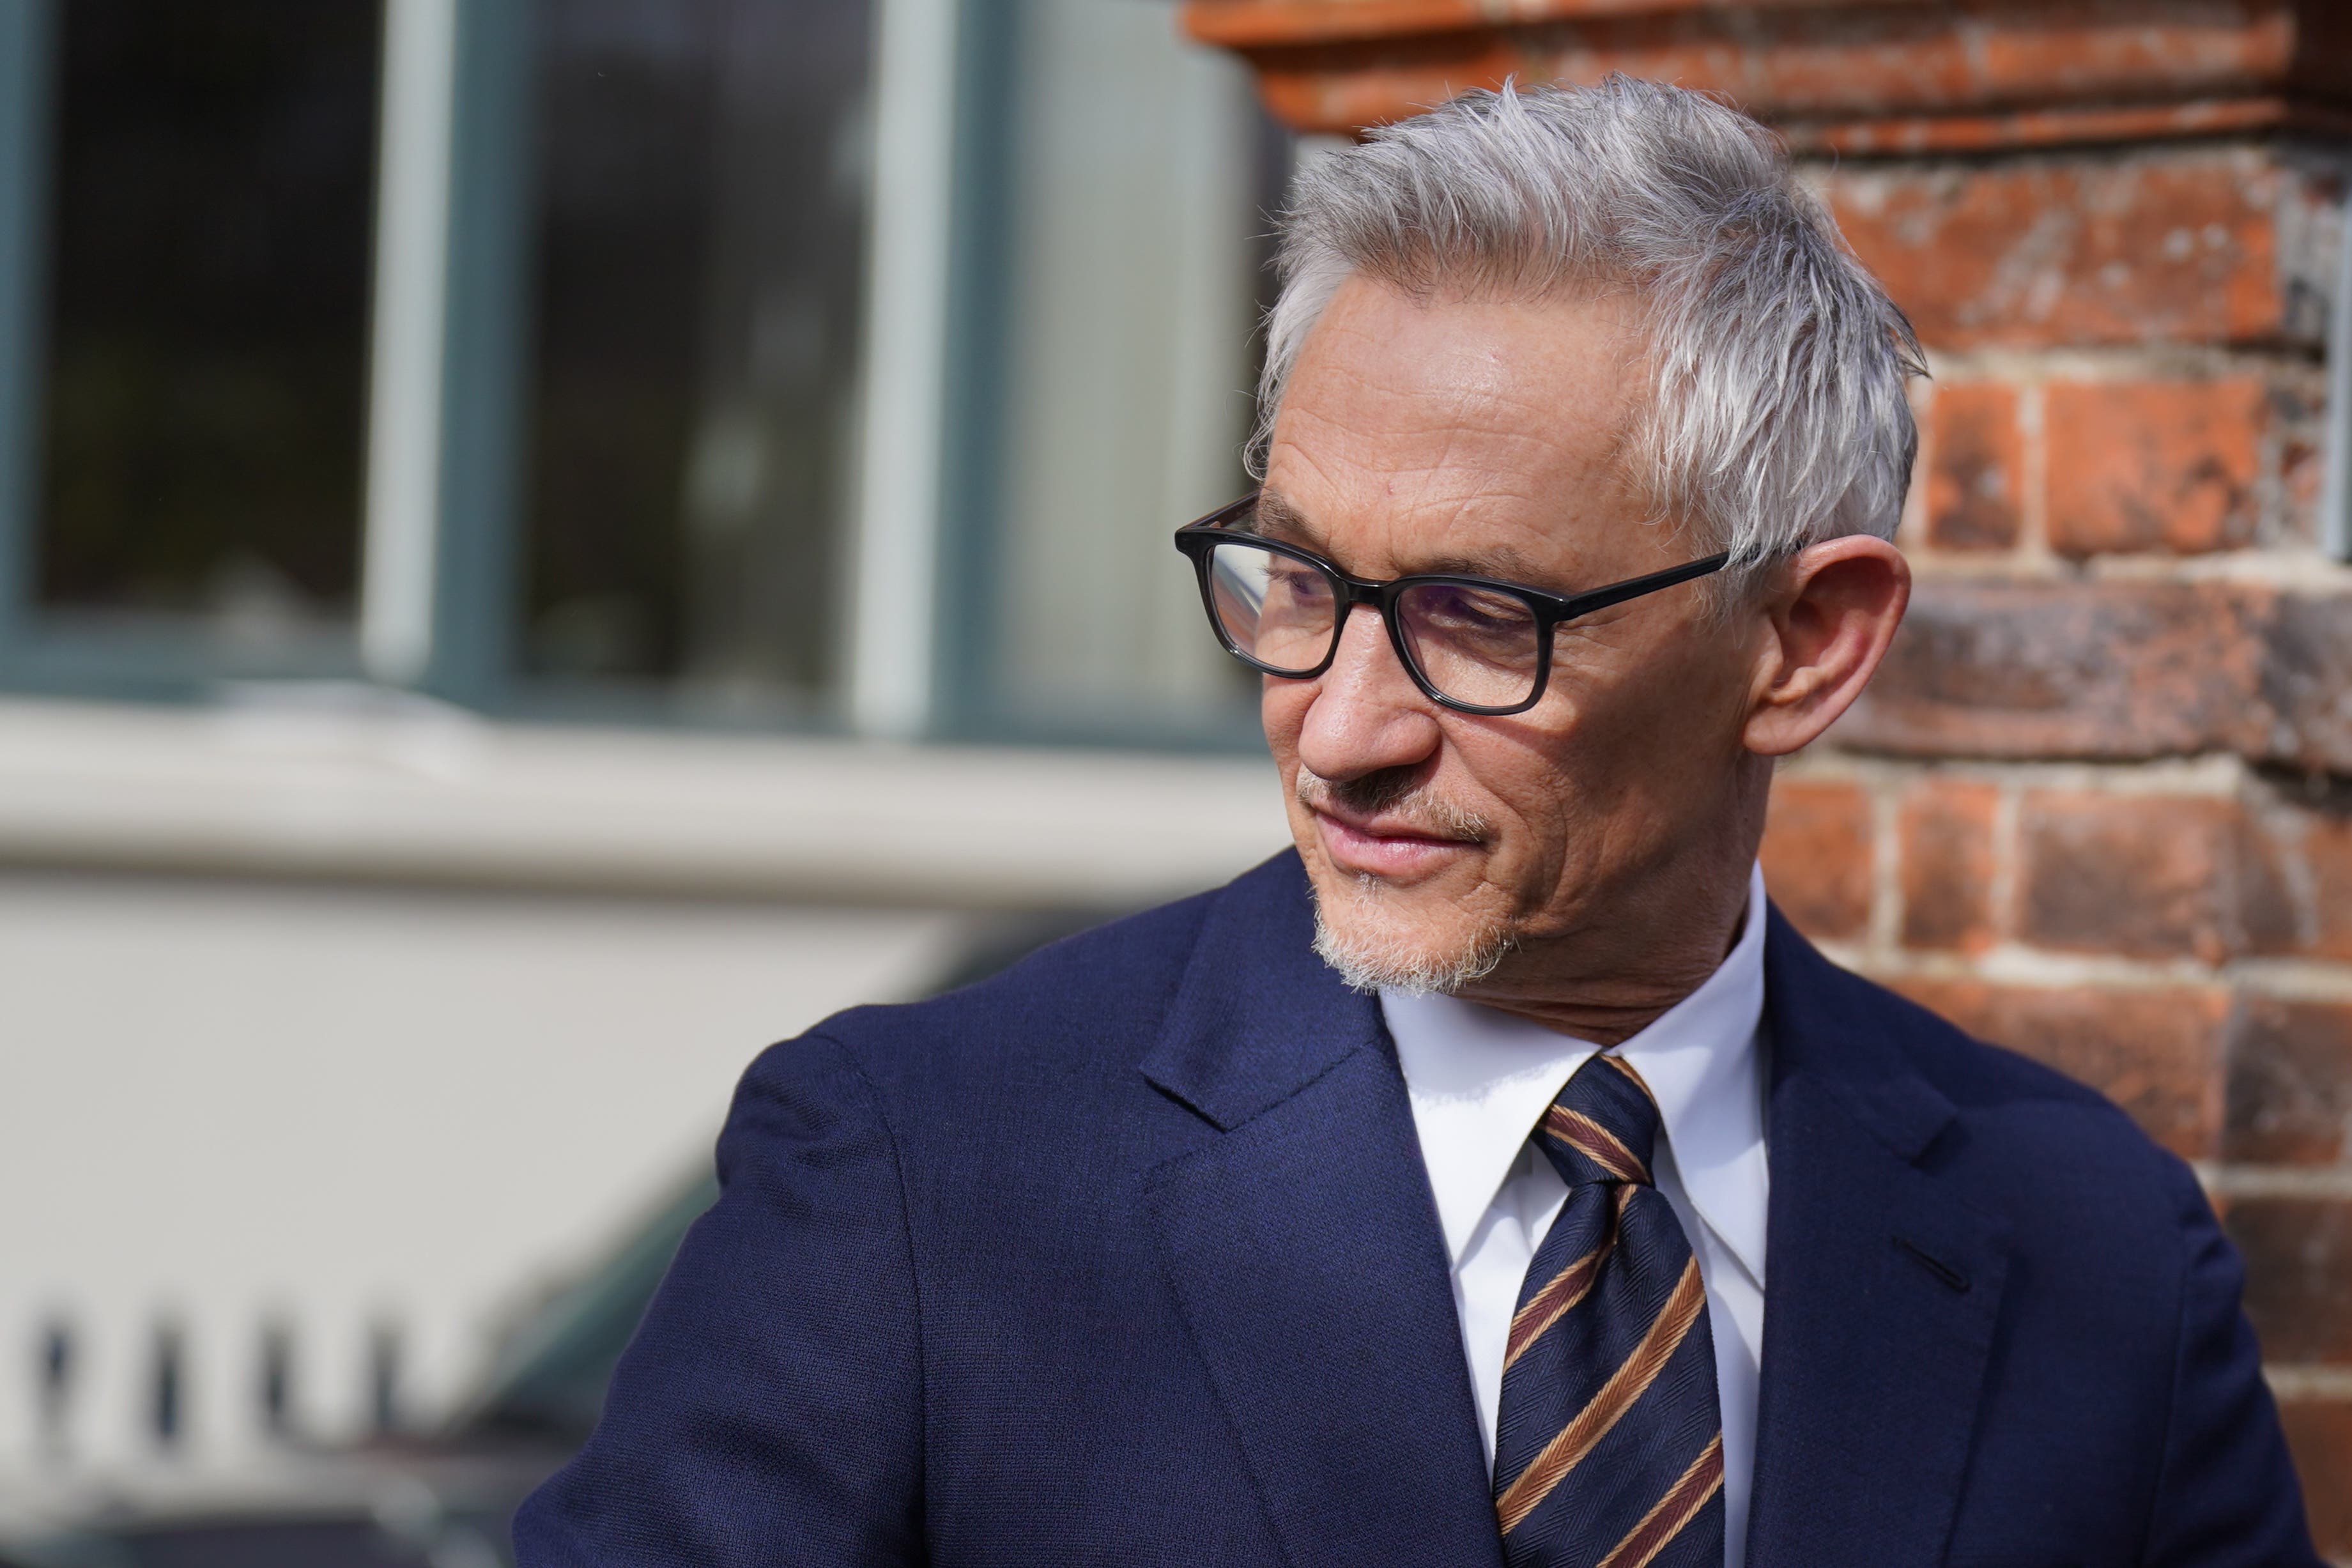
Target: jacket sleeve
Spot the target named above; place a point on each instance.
(770, 1409)
(2227, 1495)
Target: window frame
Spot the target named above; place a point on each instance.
(70, 652)
(448, 336)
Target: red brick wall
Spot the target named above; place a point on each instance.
(2098, 804)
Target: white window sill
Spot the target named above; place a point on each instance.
(321, 784)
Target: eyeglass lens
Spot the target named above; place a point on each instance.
(1475, 646)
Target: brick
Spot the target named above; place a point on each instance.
(2275, 892)
(1818, 857)
(2178, 249)
(2290, 1083)
(1946, 829)
(2302, 475)
(2319, 1434)
(2301, 712)
(2327, 863)
(1859, 79)
(2156, 1053)
(2113, 669)
(2298, 1254)
(1976, 467)
(2304, 849)
(2061, 669)
(2145, 876)
(2167, 466)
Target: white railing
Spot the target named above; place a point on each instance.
(173, 1392)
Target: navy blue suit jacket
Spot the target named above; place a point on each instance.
(1127, 1256)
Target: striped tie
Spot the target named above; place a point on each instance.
(1609, 1443)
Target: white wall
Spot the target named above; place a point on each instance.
(225, 1099)
(281, 1033)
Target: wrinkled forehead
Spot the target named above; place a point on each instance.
(1427, 435)
(1411, 544)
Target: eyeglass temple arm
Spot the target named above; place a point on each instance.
(1618, 593)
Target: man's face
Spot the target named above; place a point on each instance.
(1484, 436)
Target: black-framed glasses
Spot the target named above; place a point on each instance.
(1474, 644)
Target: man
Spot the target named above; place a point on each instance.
(1495, 1179)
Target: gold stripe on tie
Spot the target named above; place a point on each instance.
(1678, 1507)
(1596, 1144)
(1621, 1064)
(1592, 1422)
(1565, 1288)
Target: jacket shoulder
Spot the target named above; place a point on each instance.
(2122, 1280)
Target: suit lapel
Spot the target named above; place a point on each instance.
(1303, 1246)
(1884, 1286)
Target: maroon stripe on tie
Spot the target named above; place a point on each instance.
(1595, 1142)
(1592, 1422)
(1563, 1291)
(1678, 1507)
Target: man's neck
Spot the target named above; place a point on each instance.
(1605, 986)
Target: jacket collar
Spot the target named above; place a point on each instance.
(1257, 1016)
(1302, 1245)
(1837, 1031)
(1885, 1280)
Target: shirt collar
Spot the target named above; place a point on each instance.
(1480, 1081)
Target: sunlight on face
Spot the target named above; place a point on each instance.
(1485, 437)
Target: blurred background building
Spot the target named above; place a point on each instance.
(546, 544)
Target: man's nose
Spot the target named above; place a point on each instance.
(1367, 714)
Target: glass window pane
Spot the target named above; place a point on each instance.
(702, 206)
(208, 308)
(1140, 171)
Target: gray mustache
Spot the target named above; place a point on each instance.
(1393, 791)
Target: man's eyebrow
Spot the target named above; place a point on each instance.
(1502, 563)
(1276, 518)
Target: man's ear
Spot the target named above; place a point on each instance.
(1827, 625)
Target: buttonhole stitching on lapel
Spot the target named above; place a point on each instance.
(1951, 1277)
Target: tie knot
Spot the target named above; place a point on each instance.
(1603, 1126)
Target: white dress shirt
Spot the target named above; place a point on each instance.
(1480, 1081)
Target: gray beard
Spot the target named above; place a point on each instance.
(1375, 965)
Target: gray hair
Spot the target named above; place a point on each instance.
(1779, 413)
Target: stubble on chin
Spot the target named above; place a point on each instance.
(1368, 929)
(1362, 932)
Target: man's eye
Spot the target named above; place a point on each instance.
(1476, 613)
